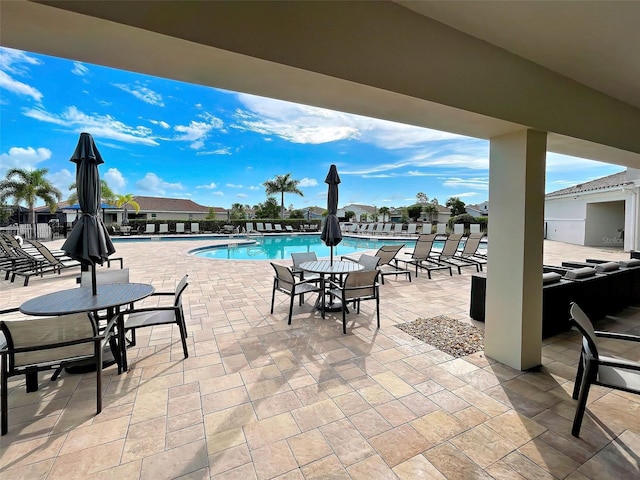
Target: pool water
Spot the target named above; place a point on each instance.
(282, 246)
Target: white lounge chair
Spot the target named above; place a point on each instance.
(163, 228)
(268, 227)
(458, 228)
(411, 229)
(195, 228)
(441, 229)
(386, 229)
(278, 227)
(151, 228)
(474, 228)
(179, 227)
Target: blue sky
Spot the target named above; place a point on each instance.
(160, 137)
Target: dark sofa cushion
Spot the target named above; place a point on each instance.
(607, 267)
(550, 277)
(580, 273)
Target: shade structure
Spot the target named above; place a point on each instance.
(88, 241)
(331, 234)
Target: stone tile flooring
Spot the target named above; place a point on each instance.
(258, 399)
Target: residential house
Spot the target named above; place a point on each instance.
(602, 212)
(360, 211)
(478, 210)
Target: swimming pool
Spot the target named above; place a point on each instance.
(280, 247)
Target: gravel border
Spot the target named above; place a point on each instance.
(446, 334)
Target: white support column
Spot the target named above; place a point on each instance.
(513, 329)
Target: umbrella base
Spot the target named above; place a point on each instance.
(331, 304)
(89, 366)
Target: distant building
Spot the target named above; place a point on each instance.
(603, 212)
(479, 210)
(360, 211)
(151, 208)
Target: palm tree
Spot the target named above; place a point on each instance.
(282, 184)
(105, 192)
(28, 186)
(384, 211)
(122, 201)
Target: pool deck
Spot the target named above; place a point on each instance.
(259, 399)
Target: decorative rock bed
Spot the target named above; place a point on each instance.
(446, 334)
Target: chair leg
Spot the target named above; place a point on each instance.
(183, 335)
(579, 373)
(378, 306)
(273, 293)
(3, 394)
(582, 400)
(344, 315)
(291, 308)
(98, 378)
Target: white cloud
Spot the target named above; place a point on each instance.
(26, 158)
(253, 187)
(161, 123)
(211, 186)
(197, 132)
(19, 88)
(115, 179)
(479, 183)
(465, 194)
(100, 126)
(308, 182)
(16, 63)
(305, 124)
(564, 163)
(218, 193)
(219, 151)
(242, 195)
(233, 185)
(79, 69)
(154, 184)
(61, 180)
(142, 93)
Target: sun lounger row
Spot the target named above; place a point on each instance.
(163, 228)
(262, 227)
(35, 259)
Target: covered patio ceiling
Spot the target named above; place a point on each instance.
(481, 69)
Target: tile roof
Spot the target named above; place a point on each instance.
(160, 204)
(610, 181)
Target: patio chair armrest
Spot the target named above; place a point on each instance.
(618, 336)
(149, 309)
(156, 294)
(9, 310)
(350, 259)
(309, 280)
(620, 363)
(334, 284)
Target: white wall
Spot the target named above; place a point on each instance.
(565, 219)
(594, 218)
(603, 222)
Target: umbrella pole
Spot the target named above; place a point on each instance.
(94, 287)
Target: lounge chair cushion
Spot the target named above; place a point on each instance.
(607, 267)
(578, 273)
(551, 277)
(629, 263)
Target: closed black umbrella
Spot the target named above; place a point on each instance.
(88, 241)
(331, 234)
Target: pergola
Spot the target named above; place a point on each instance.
(530, 77)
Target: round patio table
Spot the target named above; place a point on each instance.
(326, 267)
(110, 297)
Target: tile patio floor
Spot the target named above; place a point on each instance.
(258, 399)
